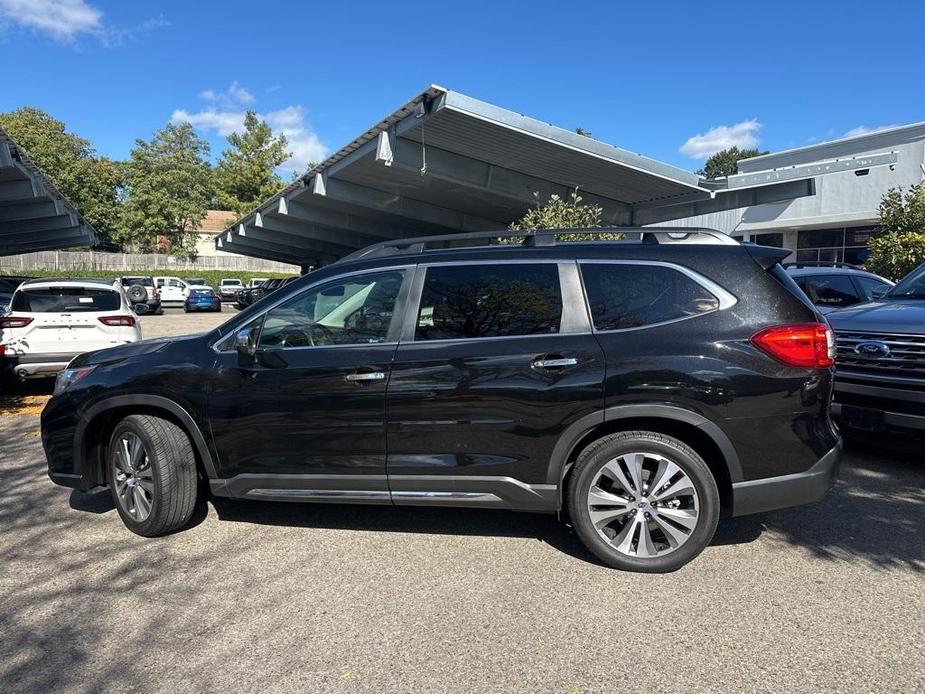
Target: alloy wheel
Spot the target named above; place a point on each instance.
(643, 504)
(133, 476)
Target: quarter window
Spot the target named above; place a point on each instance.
(352, 311)
(489, 301)
(871, 287)
(632, 295)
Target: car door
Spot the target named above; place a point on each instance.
(496, 362)
(307, 417)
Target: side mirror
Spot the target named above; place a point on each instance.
(245, 344)
(879, 293)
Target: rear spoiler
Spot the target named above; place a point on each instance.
(766, 256)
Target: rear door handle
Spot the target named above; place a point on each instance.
(366, 376)
(555, 363)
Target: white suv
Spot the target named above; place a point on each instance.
(52, 321)
(228, 288)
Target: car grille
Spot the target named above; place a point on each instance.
(906, 358)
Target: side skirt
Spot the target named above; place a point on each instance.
(406, 490)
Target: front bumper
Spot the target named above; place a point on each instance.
(769, 494)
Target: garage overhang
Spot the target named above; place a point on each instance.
(33, 215)
(445, 162)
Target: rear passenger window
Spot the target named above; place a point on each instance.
(634, 295)
(871, 287)
(489, 301)
(829, 290)
(65, 300)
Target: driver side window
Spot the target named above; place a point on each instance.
(350, 311)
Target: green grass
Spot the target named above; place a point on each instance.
(212, 277)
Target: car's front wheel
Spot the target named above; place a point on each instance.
(152, 474)
(643, 501)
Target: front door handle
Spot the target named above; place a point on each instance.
(555, 363)
(365, 376)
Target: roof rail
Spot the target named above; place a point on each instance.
(543, 237)
(821, 263)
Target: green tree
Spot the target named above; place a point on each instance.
(725, 162)
(582, 131)
(89, 182)
(168, 189)
(899, 246)
(246, 172)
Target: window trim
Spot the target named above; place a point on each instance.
(569, 290)
(400, 307)
(726, 299)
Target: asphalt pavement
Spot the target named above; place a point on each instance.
(262, 597)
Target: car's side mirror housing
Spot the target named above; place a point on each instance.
(245, 344)
(879, 293)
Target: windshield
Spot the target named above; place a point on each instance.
(65, 300)
(143, 281)
(228, 283)
(912, 286)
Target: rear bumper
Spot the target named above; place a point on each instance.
(757, 496)
(878, 405)
(36, 365)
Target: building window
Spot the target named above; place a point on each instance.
(776, 240)
(834, 245)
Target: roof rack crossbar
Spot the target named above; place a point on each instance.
(540, 237)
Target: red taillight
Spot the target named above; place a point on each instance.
(14, 322)
(127, 321)
(2, 350)
(810, 345)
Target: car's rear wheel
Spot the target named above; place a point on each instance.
(152, 474)
(643, 501)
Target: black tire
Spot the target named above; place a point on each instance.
(137, 294)
(587, 468)
(172, 467)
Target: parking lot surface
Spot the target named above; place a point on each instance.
(279, 597)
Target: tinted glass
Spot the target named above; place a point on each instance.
(912, 286)
(201, 292)
(66, 300)
(348, 312)
(143, 281)
(776, 240)
(871, 287)
(829, 290)
(630, 296)
(489, 301)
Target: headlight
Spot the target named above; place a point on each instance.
(69, 377)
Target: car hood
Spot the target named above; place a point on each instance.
(133, 349)
(884, 316)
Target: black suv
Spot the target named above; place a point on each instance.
(880, 370)
(641, 388)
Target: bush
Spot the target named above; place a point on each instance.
(899, 247)
(894, 255)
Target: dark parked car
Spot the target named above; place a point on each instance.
(202, 299)
(142, 292)
(630, 386)
(833, 286)
(880, 366)
(250, 296)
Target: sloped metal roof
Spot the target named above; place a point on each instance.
(444, 162)
(33, 215)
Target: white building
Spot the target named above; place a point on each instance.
(835, 223)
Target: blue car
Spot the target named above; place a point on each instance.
(201, 299)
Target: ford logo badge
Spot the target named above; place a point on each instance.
(872, 349)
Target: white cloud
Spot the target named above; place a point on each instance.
(227, 116)
(63, 20)
(743, 135)
(864, 130)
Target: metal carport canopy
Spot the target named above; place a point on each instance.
(33, 215)
(445, 162)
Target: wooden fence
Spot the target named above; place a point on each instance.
(95, 260)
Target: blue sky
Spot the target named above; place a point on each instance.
(673, 81)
